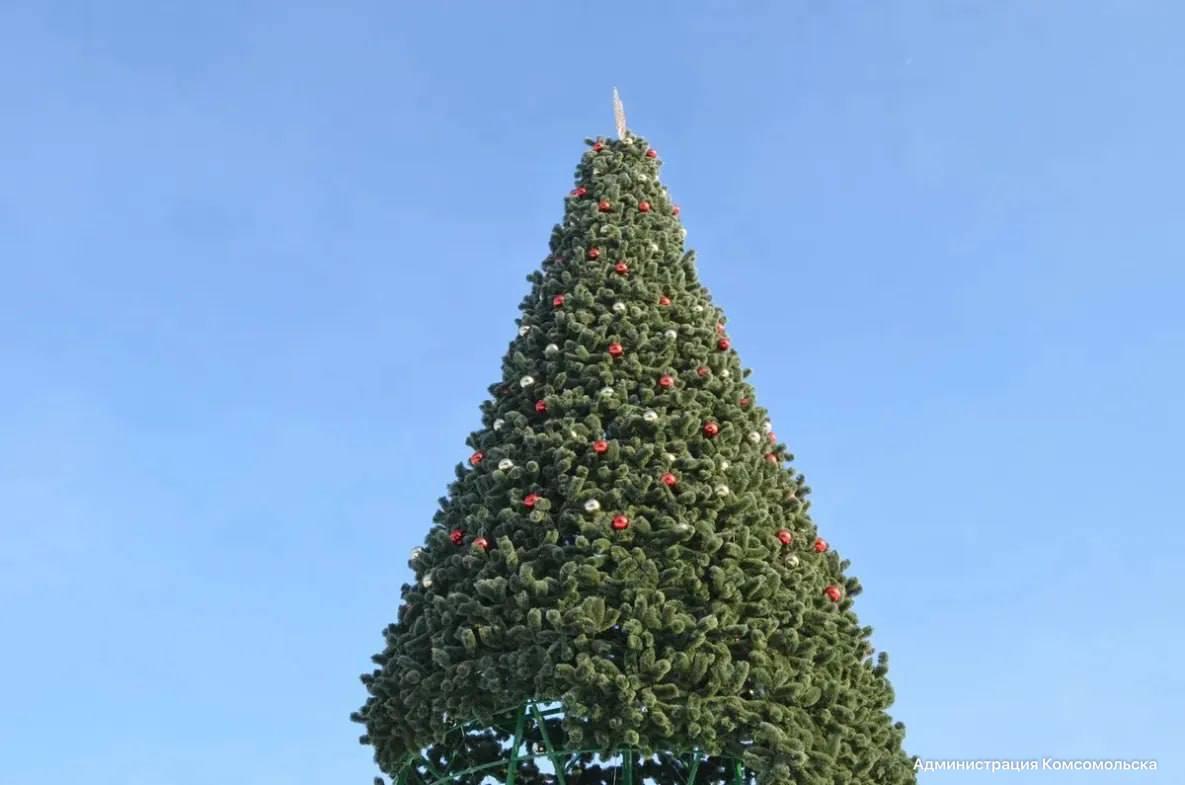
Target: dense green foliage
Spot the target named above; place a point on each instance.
(627, 538)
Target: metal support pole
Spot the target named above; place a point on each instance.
(512, 771)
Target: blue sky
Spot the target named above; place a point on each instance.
(259, 261)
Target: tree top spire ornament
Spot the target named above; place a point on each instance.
(619, 115)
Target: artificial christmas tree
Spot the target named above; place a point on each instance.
(623, 580)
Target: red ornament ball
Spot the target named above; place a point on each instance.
(594, 253)
(530, 500)
(457, 536)
(616, 350)
(598, 147)
(579, 191)
(773, 438)
(744, 402)
(785, 537)
(833, 593)
(703, 371)
(621, 268)
(477, 458)
(664, 300)
(620, 522)
(675, 210)
(666, 381)
(644, 207)
(669, 480)
(711, 429)
(820, 545)
(483, 543)
(652, 153)
(600, 446)
(724, 344)
(604, 206)
(541, 406)
(558, 301)
(771, 457)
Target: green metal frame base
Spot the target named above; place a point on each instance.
(518, 749)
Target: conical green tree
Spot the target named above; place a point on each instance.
(628, 543)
